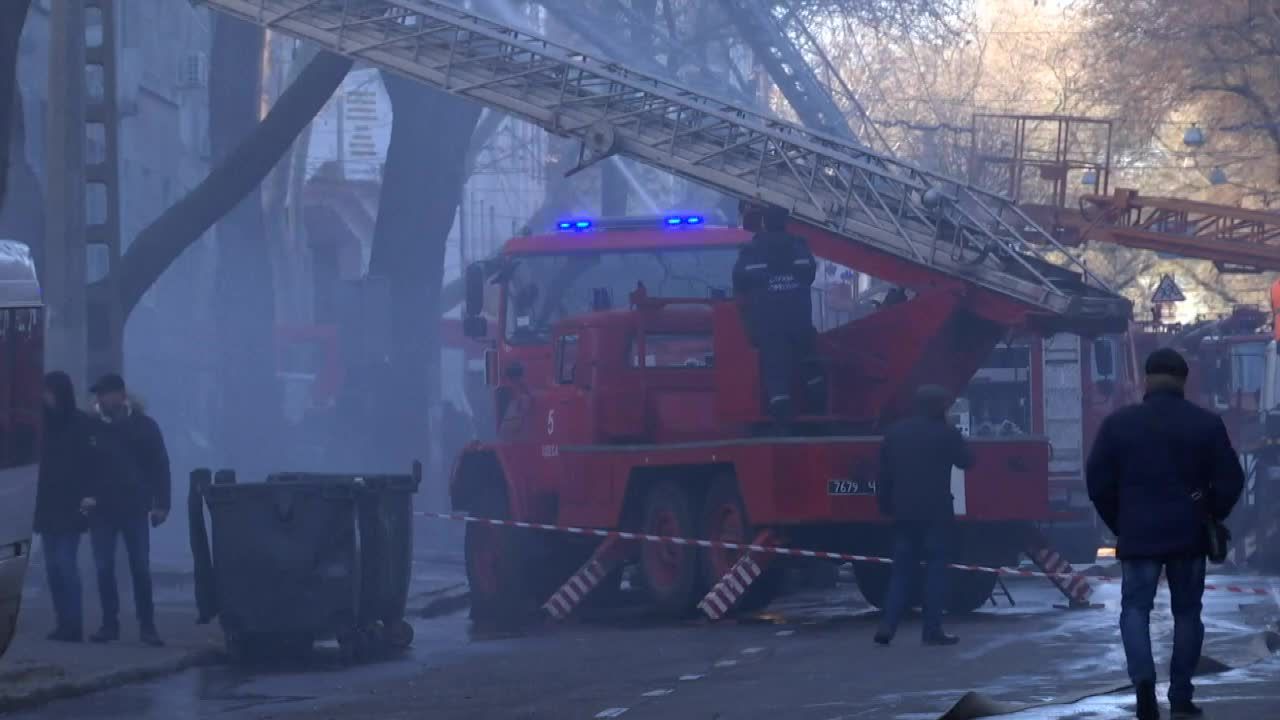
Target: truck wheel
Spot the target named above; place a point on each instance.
(968, 591)
(873, 583)
(500, 593)
(671, 573)
(726, 520)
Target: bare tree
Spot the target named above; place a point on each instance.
(421, 188)
(244, 302)
(234, 177)
(13, 17)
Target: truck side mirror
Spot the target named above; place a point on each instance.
(1104, 361)
(475, 280)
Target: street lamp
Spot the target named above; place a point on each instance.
(1193, 137)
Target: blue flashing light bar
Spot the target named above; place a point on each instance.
(579, 224)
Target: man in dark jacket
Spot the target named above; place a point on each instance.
(1155, 471)
(133, 486)
(774, 275)
(66, 468)
(914, 489)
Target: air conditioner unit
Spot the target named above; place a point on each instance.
(193, 71)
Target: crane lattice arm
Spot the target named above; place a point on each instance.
(1234, 239)
(865, 199)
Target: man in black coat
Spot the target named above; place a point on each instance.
(914, 489)
(134, 486)
(774, 275)
(1156, 470)
(67, 465)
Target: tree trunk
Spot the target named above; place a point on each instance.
(234, 177)
(22, 215)
(13, 16)
(244, 304)
(421, 188)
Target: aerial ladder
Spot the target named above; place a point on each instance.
(898, 222)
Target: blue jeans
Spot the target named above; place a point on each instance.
(136, 532)
(63, 568)
(1137, 598)
(911, 545)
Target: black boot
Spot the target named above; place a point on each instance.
(149, 636)
(1148, 708)
(108, 633)
(883, 637)
(940, 638)
(64, 635)
(1186, 709)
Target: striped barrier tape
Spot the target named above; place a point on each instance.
(790, 552)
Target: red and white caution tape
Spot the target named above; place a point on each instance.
(788, 552)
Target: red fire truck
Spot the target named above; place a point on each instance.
(627, 393)
(625, 389)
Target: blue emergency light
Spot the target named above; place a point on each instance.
(675, 220)
(629, 223)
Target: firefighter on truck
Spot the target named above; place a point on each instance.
(773, 276)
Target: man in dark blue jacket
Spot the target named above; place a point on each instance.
(134, 487)
(914, 489)
(1148, 465)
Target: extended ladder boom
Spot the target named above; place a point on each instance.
(866, 199)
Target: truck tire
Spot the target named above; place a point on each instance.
(501, 595)
(873, 583)
(725, 519)
(968, 591)
(671, 574)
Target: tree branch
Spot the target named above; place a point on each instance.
(182, 224)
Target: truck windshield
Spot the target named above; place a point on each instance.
(542, 289)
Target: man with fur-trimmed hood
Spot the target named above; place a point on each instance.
(134, 487)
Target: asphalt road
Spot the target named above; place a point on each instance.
(811, 657)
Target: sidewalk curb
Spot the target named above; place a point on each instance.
(67, 689)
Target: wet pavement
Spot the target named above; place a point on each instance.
(811, 657)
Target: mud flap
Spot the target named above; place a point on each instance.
(1073, 586)
(729, 590)
(603, 561)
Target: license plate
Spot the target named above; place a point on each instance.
(851, 487)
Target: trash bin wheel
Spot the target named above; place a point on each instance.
(353, 646)
(400, 635)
